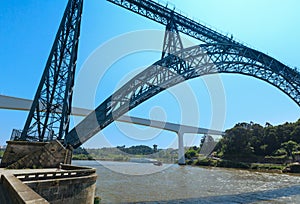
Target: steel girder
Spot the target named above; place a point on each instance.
(199, 60)
(162, 14)
(56, 86)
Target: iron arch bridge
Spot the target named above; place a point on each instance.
(186, 64)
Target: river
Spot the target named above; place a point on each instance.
(135, 182)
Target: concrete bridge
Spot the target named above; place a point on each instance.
(180, 130)
(14, 103)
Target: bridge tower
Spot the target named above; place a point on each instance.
(49, 115)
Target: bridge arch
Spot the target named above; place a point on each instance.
(189, 63)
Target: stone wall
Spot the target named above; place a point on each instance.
(68, 191)
(18, 192)
(16, 150)
(68, 185)
(21, 154)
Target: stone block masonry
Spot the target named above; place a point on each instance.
(22, 154)
(68, 185)
(71, 190)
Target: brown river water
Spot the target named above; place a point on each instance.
(126, 182)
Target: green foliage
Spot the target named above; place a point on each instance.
(266, 167)
(206, 162)
(293, 168)
(231, 164)
(239, 165)
(189, 161)
(222, 163)
(290, 146)
(80, 150)
(296, 153)
(191, 152)
(97, 200)
(254, 141)
(276, 159)
(138, 150)
(82, 157)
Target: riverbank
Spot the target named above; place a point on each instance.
(264, 167)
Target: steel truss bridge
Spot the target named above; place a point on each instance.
(216, 53)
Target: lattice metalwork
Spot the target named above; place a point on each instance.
(200, 60)
(162, 14)
(49, 116)
(172, 41)
(219, 54)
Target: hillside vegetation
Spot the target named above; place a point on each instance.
(255, 143)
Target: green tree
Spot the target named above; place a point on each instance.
(256, 138)
(289, 147)
(250, 139)
(295, 134)
(190, 153)
(238, 140)
(270, 141)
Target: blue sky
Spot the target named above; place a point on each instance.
(28, 29)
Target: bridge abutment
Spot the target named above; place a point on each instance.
(24, 154)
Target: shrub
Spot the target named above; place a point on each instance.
(231, 164)
(206, 162)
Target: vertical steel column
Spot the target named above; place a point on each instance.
(54, 93)
(172, 40)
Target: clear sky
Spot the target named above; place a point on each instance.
(28, 29)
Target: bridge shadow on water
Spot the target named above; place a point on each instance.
(251, 197)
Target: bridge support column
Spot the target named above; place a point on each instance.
(181, 158)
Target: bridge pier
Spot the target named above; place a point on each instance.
(181, 158)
